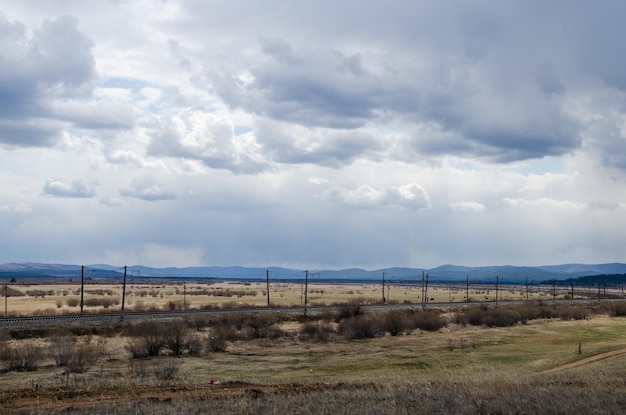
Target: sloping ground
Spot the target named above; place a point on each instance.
(581, 395)
(586, 361)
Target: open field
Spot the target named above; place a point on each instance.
(55, 298)
(542, 366)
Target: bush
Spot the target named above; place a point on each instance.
(490, 317)
(501, 317)
(61, 348)
(72, 302)
(176, 336)
(573, 313)
(11, 292)
(217, 341)
(428, 321)
(361, 327)
(147, 339)
(396, 322)
(349, 310)
(474, 316)
(25, 357)
(316, 332)
(84, 355)
(618, 309)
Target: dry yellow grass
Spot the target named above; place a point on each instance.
(64, 298)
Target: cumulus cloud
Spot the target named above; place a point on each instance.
(147, 190)
(407, 196)
(467, 206)
(199, 135)
(78, 189)
(545, 202)
(47, 81)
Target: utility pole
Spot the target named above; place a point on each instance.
(384, 300)
(423, 305)
(496, 290)
(184, 295)
(306, 286)
(123, 292)
(267, 277)
(426, 292)
(554, 290)
(6, 301)
(467, 300)
(572, 288)
(82, 287)
(526, 288)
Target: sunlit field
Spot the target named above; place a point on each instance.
(54, 298)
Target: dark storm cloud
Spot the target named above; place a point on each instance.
(327, 147)
(47, 79)
(477, 71)
(310, 86)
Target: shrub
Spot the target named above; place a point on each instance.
(84, 355)
(428, 321)
(396, 322)
(474, 316)
(11, 292)
(147, 339)
(618, 309)
(217, 341)
(72, 302)
(60, 349)
(25, 357)
(38, 293)
(573, 313)
(176, 336)
(491, 317)
(351, 309)
(501, 317)
(316, 332)
(360, 327)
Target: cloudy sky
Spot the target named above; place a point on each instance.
(313, 134)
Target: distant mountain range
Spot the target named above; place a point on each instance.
(445, 273)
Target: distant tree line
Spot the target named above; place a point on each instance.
(609, 280)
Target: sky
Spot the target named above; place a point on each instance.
(313, 134)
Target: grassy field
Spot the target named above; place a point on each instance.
(543, 366)
(54, 298)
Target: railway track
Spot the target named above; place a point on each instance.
(63, 319)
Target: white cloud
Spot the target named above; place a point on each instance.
(545, 202)
(21, 208)
(467, 206)
(374, 134)
(408, 196)
(147, 190)
(78, 188)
